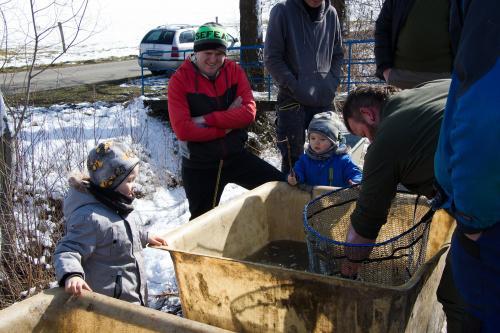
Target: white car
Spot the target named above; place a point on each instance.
(164, 48)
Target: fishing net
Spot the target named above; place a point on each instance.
(398, 252)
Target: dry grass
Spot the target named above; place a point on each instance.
(106, 92)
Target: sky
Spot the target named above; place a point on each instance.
(126, 19)
(135, 18)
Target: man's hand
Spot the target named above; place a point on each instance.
(386, 74)
(291, 179)
(75, 284)
(349, 268)
(156, 240)
(236, 103)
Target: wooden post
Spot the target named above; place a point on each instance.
(7, 228)
(62, 36)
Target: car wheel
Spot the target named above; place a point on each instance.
(157, 72)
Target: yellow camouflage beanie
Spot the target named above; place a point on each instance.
(110, 163)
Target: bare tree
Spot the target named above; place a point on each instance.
(70, 15)
(340, 6)
(360, 18)
(40, 29)
(251, 40)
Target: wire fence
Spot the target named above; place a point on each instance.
(358, 67)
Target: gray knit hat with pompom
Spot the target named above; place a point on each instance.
(110, 163)
(329, 124)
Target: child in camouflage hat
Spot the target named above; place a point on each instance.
(102, 247)
(325, 161)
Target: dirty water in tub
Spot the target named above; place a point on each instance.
(282, 253)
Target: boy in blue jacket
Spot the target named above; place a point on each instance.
(325, 161)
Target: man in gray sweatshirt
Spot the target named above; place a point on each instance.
(303, 54)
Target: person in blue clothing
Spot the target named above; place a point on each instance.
(325, 161)
(467, 160)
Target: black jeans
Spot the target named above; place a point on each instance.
(244, 169)
(292, 120)
(454, 306)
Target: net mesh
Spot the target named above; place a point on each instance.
(398, 252)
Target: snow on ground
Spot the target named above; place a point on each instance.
(3, 115)
(58, 138)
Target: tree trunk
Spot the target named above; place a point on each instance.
(7, 227)
(251, 35)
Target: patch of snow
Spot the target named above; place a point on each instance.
(3, 115)
(59, 137)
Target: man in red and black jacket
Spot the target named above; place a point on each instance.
(210, 104)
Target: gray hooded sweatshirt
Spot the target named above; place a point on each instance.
(100, 246)
(304, 57)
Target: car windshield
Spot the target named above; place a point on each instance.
(159, 36)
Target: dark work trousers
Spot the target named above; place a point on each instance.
(457, 318)
(244, 169)
(476, 272)
(292, 119)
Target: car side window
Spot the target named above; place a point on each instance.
(186, 36)
(167, 37)
(152, 36)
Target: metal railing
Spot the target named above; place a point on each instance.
(356, 70)
(359, 70)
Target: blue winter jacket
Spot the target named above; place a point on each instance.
(335, 171)
(467, 161)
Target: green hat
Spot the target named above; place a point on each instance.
(210, 36)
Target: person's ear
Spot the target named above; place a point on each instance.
(369, 114)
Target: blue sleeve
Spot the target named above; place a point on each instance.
(300, 169)
(467, 161)
(474, 155)
(350, 171)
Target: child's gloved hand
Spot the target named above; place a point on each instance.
(292, 180)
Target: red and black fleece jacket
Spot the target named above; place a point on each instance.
(191, 94)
